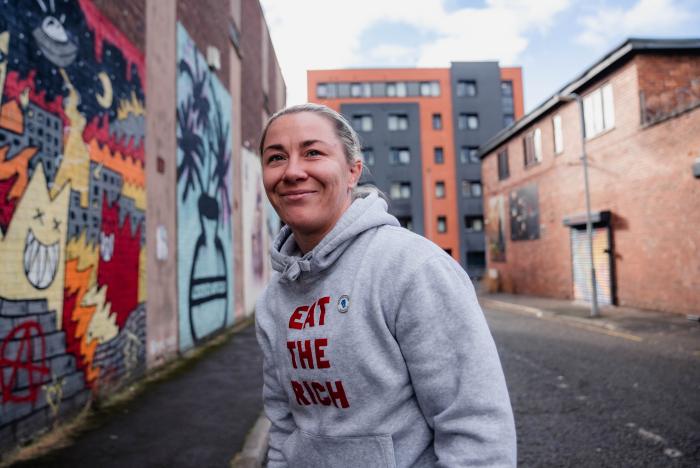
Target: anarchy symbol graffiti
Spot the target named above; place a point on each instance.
(22, 360)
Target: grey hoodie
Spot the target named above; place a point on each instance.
(377, 354)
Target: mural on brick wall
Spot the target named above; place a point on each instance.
(525, 213)
(205, 266)
(495, 228)
(72, 210)
(260, 223)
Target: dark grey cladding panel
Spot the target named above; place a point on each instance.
(487, 105)
(381, 140)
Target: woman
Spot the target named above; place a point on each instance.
(376, 353)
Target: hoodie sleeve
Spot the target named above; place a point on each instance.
(275, 402)
(454, 367)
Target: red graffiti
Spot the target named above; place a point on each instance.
(7, 204)
(23, 360)
(15, 86)
(104, 30)
(120, 271)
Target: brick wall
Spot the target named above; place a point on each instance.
(669, 84)
(129, 16)
(642, 174)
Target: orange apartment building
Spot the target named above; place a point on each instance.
(421, 129)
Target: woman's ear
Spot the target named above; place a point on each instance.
(355, 172)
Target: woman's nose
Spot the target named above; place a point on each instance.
(294, 171)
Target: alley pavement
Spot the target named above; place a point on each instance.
(616, 391)
(198, 417)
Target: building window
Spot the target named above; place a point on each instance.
(430, 88)
(400, 190)
(362, 123)
(469, 154)
(503, 168)
(558, 135)
(437, 121)
(439, 155)
(598, 111)
(466, 88)
(442, 224)
(508, 120)
(399, 156)
(507, 105)
(397, 122)
(321, 90)
(406, 221)
(471, 189)
(532, 146)
(473, 223)
(366, 90)
(368, 156)
(356, 90)
(439, 189)
(396, 89)
(507, 88)
(468, 122)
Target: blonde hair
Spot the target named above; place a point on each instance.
(343, 130)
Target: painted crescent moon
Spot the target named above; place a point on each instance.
(105, 99)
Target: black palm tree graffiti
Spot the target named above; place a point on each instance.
(203, 139)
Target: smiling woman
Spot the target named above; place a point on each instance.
(307, 175)
(376, 352)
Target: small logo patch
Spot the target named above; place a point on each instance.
(343, 303)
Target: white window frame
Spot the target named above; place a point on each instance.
(536, 137)
(599, 111)
(558, 135)
(322, 90)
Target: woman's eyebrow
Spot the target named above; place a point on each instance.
(307, 143)
(275, 146)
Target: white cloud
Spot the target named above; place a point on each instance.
(646, 17)
(323, 34)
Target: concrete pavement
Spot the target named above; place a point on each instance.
(676, 332)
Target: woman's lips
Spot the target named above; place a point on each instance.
(296, 195)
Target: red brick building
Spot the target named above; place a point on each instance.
(641, 113)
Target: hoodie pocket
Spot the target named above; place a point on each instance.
(306, 450)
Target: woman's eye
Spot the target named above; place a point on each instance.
(275, 158)
(313, 152)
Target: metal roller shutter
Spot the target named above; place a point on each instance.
(582, 266)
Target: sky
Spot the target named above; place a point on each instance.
(552, 40)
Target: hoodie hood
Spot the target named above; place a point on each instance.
(363, 214)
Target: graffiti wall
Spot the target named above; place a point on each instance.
(525, 213)
(72, 210)
(205, 266)
(495, 228)
(260, 224)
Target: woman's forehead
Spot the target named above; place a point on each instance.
(301, 126)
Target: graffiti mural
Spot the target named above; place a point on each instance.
(495, 228)
(205, 268)
(525, 213)
(259, 225)
(72, 210)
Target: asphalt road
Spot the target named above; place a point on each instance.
(583, 396)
